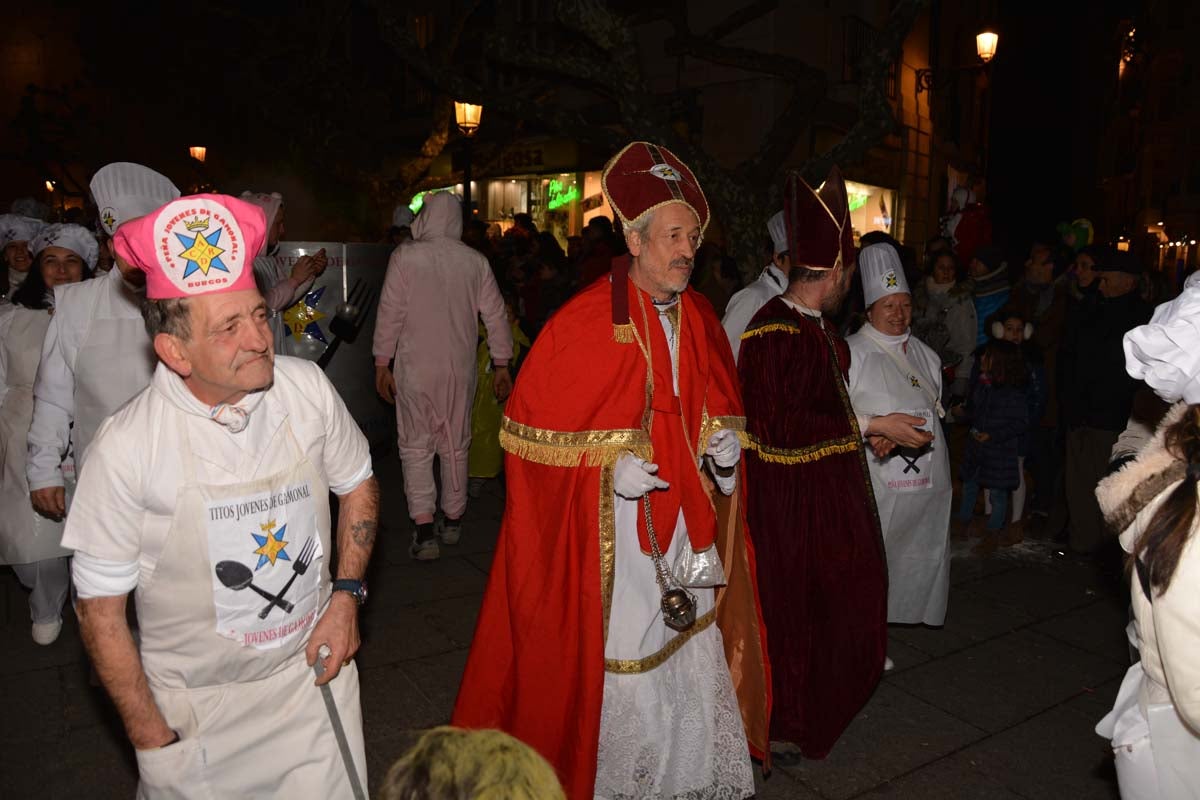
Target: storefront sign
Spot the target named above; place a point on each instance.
(559, 195)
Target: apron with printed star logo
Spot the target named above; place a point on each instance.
(225, 619)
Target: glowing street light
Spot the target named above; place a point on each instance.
(198, 153)
(467, 115)
(985, 45)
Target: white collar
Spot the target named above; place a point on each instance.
(803, 309)
(775, 275)
(885, 338)
(235, 417)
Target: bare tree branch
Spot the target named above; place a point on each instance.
(740, 18)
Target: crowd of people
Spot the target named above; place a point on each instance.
(718, 496)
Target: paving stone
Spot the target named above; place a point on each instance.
(35, 699)
(1098, 628)
(1041, 590)
(412, 582)
(904, 655)
(399, 634)
(893, 735)
(1028, 758)
(947, 779)
(93, 764)
(385, 751)
(482, 561)
(22, 654)
(438, 678)
(1002, 682)
(455, 617)
(392, 703)
(970, 618)
(780, 786)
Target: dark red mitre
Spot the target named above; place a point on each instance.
(818, 222)
(636, 181)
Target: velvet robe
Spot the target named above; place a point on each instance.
(587, 394)
(812, 517)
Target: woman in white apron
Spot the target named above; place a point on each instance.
(892, 371)
(29, 541)
(1155, 724)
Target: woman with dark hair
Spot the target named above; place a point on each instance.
(1152, 500)
(944, 318)
(16, 232)
(29, 541)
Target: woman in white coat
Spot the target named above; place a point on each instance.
(1155, 724)
(891, 371)
(29, 541)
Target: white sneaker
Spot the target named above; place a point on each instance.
(46, 632)
(888, 664)
(449, 534)
(424, 549)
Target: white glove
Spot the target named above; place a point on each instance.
(724, 448)
(634, 477)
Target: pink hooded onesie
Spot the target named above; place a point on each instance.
(435, 291)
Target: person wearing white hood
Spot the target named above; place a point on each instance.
(890, 370)
(434, 293)
(16, 232)
(1152, 500)
(30, 541)
(770, 284)
(96, 354)
(280, 288)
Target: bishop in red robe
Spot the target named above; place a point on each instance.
(812, 515)
(572, 653)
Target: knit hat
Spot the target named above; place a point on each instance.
(202, 244)
(990, 256)
(124, 191)
(1113, 260)
(75, 238)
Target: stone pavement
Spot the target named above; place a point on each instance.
(998, 704)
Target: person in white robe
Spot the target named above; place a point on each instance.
(29, 539)
(96, 354)
(16, 232)
(890, 370)
(771, 283)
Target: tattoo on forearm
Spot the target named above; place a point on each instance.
(363, 532)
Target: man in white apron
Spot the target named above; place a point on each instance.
(770, 284)
(206, 495)
(96, 354)
(890, 370)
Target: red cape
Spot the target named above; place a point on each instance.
(536, 667)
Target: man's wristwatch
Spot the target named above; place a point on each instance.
(356, 588)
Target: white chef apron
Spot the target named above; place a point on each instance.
(115, 360)
(25, 535)
(251, 722)
(913, 496)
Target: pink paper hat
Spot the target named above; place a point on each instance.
(201, 244)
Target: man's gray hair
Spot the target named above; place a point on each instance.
(169, 316)
(807, 275)
(641, 227)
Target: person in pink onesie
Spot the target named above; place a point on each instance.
(434, 293)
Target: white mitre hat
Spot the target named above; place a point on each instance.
(1165, 352)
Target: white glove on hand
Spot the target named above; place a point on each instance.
(724, 448)
(634, 477)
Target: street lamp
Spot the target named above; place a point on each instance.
(467, 116)
(198, 153)
(986, 43)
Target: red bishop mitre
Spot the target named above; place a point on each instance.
(636, 181)
(819, 232)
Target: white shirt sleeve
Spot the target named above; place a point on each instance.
(6, 317)
(108, 510)
(738, 312)
(347, 453)
(101, 577)
(53, 407)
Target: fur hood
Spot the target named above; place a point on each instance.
(1129, 490)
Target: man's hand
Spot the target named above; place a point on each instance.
(385, 383)
(634, 477)
(724, 448)
(880, 446)
(900, 428)
(308, 267)
(980, 436)
(337, 629)
(50, 502)
(502, 383)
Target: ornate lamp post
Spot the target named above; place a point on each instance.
(985, 47)
(467, 116)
